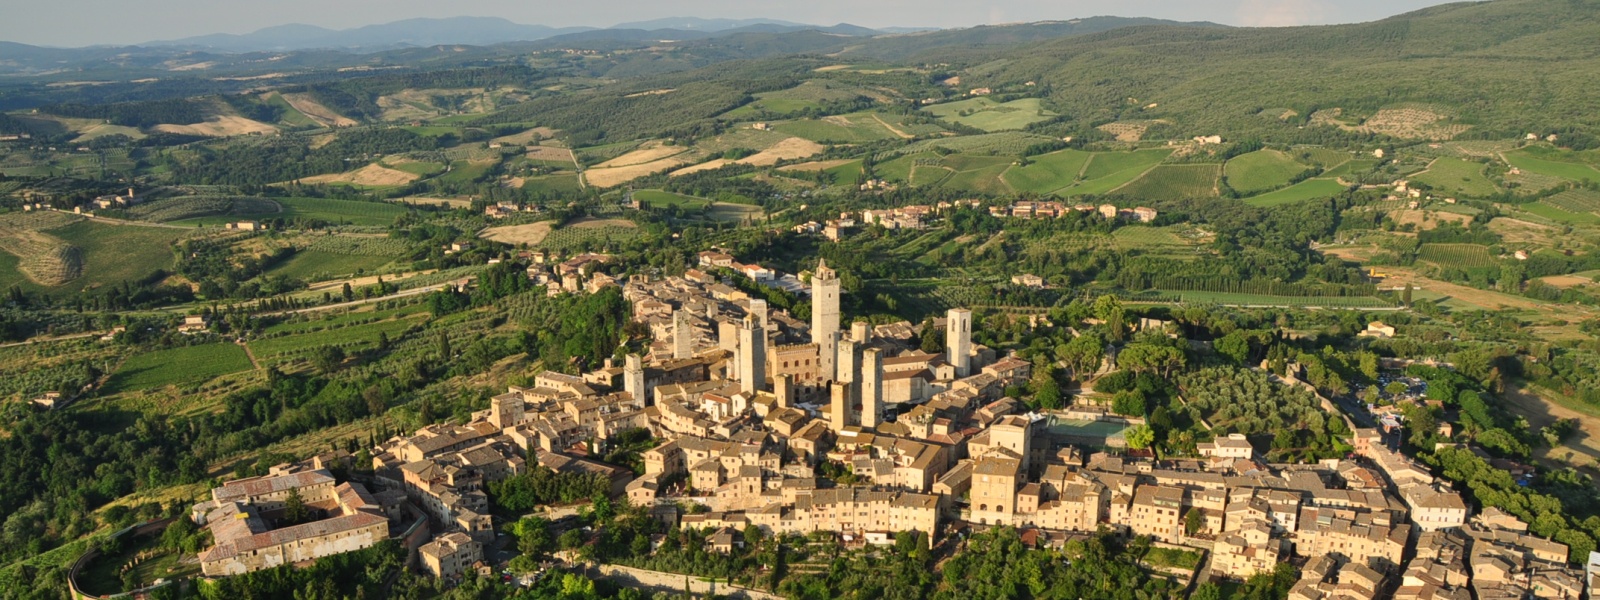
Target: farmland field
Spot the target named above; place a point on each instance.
(984, 179)
(1238, 299)
(1565, 170)
(1005, 143)
(187, 207)
(1110, 170)
(1560, 214)
(988, 115)
(1309, 189)
(318, 265)
(350, 338)
(339, 212)
(178, 366)
(839, 129)
(1111, 163)
(1576, 201)
(1164, 242)
(658, 199)
(1464, 256)
(560, 182)
(1457, 176)
(1262, 170)
(581, 234)
(1049, 172)
(95, 254)
(1175, 182)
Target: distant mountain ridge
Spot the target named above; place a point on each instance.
(469, 31)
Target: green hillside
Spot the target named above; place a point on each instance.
(1504, 67)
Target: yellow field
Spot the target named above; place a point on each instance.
(530, 234)
(372, 175)
(219, 127)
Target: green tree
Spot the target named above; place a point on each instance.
(1139, 437)
(294, 508)
(327, 358)
(1194, 521)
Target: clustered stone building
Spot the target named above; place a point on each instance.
(796, 426)
(242, 515)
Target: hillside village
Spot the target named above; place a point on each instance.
(752, 406)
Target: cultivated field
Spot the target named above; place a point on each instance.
(178, 366)
(1110, 170)
(1565, 170)
(1462, 256)
(988, 115)
(1173, 182)
(224, 126)
(1309, 189)
(1049, 172)
(317, 112)
(839, 129)
(1456, 176)
(1262, 170)
(373, 175)
(517, 235)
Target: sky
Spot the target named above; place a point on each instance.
(101, 22)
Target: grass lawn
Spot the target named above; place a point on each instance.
(1456, 176)
(1309, 189)
(989, 115)
(176, 366)
(1262, 170)
(316, 265)
(1049, 172)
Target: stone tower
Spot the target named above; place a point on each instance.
(507, 410)
(825, 319)
(752, 356)
(958, 340)
(682, 335)
(839, 412)
(758, 307)
(633, 378)
(783, 388)
(871, 387)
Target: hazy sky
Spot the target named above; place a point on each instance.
(90, 22)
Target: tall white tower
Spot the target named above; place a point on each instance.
(871, 386)
(825, 318)
(682, 335)
(752, 356)
(958, 340)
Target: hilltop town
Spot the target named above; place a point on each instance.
(768, 423)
